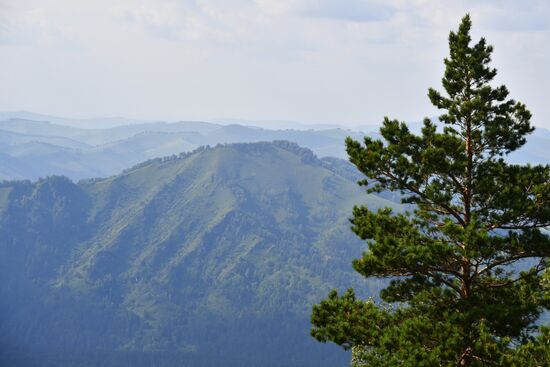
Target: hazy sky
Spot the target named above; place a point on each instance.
(315, 61)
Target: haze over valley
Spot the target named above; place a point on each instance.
(39, 145)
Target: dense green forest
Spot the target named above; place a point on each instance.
(208, 257)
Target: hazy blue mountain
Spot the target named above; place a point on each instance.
(147, 145)
(14, 138)
(124, 132)
(293, 125)
(44, 148)
(40, 128)
(537, 149)
(208, 258)
(87, 123)
(98, 136)
(109, 122)
(36, 149)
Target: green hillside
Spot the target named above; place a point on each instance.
(210, 258)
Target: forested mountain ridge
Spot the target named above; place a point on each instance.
(197, 259)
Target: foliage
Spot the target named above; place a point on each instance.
(465, 266)
(211, 258)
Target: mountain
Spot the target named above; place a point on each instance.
(536, 149)
(109, 122)
(43, 148)
(98, 136)
(34, 149)
(88, 123)
(275, 124)
(9, 138)
(207, 258)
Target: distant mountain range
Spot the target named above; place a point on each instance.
(30, 149)
(33, 149)
(214, 257)
(108, 122)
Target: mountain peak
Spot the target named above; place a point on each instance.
(305, 154)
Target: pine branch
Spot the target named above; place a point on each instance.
(538, 269)
(415, 190)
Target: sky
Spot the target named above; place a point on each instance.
(348, 62)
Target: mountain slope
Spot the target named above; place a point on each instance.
(214, 257)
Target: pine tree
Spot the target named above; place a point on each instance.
(465, 269)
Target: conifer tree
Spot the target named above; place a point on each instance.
(466, 267)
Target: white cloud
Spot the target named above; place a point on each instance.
(32, 26)
(351, 10)
(349, 61)
(172, 20)
(280, 7)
